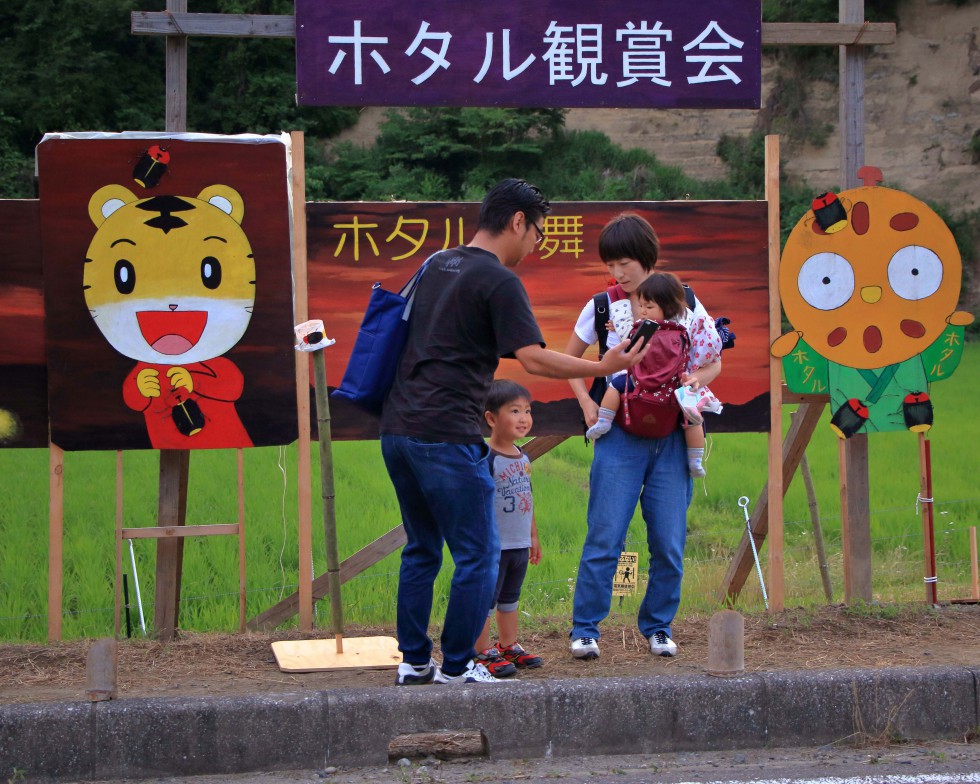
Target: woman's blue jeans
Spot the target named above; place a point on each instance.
(445, 492)
(624, 469)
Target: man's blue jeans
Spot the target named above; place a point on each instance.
(445, 492)
(626, 469)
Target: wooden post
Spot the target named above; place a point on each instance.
(56, 509)
(174, 464)
(176, 84)
(853, 452)
(851, 100)
(775, 483)
(300, 314)
(171, 510)
(855, 517)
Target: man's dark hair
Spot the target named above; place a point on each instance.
(666, 290)
(504, 391)
(628, 236)
(507, 198)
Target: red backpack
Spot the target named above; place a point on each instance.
(651, 410)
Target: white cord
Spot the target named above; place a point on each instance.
(920, 499)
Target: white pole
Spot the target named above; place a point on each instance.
(136, 584)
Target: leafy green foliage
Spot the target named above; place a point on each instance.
(74, 66)
(432, 153)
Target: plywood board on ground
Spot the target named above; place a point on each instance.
(376, 653)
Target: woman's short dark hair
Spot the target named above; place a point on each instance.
(666, 290)
(628, 236)
(507, 198)
(504, 391)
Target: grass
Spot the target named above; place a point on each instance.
(366, 508)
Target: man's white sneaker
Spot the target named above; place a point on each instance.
(474, 673)
(662, 645)
(585, 648)
(416, 674)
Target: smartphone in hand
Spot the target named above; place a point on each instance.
(643, 332)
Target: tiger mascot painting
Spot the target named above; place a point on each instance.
(170, 283)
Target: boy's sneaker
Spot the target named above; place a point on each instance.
(519, 657)
(496, 665)
(662, 645)
(688, 400)
(474, 673)
(416, 674)
(585, 648)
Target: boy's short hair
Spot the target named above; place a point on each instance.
(502, 392)
(507, 198)
(666, 290)
(628, 236)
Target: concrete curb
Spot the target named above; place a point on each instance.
(139, 738)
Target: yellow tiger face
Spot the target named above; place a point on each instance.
(169, 279)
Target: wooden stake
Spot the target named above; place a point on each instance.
(928, 529)
(303, 462)
(56, 509)
(811, 502)
(855, 517)
(119, 538)
(327, 494)
(775, 483)
(241, 540)
(974, 567)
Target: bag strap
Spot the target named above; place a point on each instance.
(600, 303)
(408, 290)
(689, 297)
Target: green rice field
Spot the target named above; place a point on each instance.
(366, 508)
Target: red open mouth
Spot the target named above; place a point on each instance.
(172, 332)
(872, 339)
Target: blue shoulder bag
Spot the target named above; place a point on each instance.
(379, 345)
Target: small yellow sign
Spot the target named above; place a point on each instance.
(624, 583)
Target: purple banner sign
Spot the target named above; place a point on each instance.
(572, 53)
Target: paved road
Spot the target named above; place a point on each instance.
(932, 763)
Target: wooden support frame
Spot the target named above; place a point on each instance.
(174, 536)
(282, 26)
(852, 34)
(800, 431)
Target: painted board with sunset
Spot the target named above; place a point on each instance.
(23, 393)
(719, 248)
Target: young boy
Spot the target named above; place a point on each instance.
(508, 413)
(660, 297)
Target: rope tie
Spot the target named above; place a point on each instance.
(860, 35)
(180, 30)
(921, 499)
